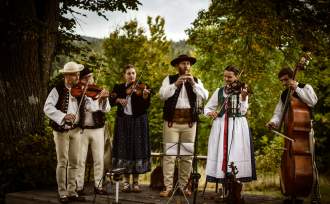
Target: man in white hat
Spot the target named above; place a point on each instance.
(61, 108)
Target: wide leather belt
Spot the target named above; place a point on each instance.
(183, 115)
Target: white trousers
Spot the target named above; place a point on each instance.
(172, 134)
(94, 138)
(67, 153)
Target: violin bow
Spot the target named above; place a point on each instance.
(137, 81)
(81, 99)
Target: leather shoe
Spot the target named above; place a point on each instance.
(136, 188)
(63, 199)
(187, 192)
(165, 193)
(77, 198)
(81, 193)
(100, 191)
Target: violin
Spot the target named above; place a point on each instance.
(236, 87)
(91, 90)
(136, 88)
(233, 186)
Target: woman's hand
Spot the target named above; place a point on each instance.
(213, 115)
(145, 93)
(121, 101)
(244, 92)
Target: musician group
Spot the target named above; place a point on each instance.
(77, 113)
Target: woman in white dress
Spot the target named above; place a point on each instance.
(230, 137)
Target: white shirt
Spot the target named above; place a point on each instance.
(128, 107)
(93, 106)
(167, 90)
(306, 94)
(213, 104)
(58, 116)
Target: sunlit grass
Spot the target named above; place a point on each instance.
(267, 184)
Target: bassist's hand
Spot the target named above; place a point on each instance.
(271, 125)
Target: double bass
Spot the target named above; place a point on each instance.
(296, 175)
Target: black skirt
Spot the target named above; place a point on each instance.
(131, 146)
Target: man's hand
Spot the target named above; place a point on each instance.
(189, 78)
(213, 115)
(293, 84)
(121, 101)
(185, 78)
(271, 125)
(180, 81)
(70, 118)
(103, 94)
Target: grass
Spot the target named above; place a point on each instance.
(267, 184)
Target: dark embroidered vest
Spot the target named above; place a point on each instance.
(285, 93)
(221, 100)
(98, 118)
(170, 103)
(62, 105)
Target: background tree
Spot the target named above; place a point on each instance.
(34, 31)
(260, 37)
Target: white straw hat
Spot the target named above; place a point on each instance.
(71, 67)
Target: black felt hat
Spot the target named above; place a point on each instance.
(181, 58)
(85, 72)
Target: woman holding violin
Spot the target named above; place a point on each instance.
(299, 176)
(131, 147)
(230, 138)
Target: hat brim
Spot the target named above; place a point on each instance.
(73, 71)
(176, 61)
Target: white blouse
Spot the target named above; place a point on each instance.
(212, 105)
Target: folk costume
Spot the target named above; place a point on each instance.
(131, 145)
(230, 138)
(92, 120)
(306, 94)
(180, 116)
(67, 137)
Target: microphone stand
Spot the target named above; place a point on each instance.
(195, 175)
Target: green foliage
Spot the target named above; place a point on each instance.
(70, 9)
(130, 45)
(260, 37)
(30, 163)
(268, 156)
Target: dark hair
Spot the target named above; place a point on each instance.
(232, 68)
(285, 71)
(128, 66)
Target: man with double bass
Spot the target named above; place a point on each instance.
(306, 95)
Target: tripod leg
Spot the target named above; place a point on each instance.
(117, 191)
(204, 188)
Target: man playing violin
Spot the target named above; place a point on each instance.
(131, 146)
(181, 93)
(306, 94)
(62, 108)
(92, 121)
(230, 139)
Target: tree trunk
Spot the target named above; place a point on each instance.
(27, 52)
